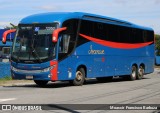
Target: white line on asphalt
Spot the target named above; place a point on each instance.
(7, 99)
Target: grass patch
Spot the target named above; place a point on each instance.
(5, 79)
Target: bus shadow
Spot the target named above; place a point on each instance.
(67, 84)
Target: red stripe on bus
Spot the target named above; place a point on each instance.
(54, 75)
(116, 44)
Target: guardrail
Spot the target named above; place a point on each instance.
(157, 60)
(5, 69)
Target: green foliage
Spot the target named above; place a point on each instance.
(6, 78)
(157, 39)
(157, 36)
(12, 26)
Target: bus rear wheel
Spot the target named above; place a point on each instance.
(41, 83)
(80, 77)
(140, 73)
(133, 74)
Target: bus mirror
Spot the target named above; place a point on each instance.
(56, 32)
(4, 38)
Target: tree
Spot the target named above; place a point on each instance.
(12, 26)
(157, 44)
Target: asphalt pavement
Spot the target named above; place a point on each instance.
(116, 92)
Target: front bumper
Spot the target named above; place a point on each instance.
(33, 76)
(43, 74)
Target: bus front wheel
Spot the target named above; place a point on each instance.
(80, 77)
(41, 83)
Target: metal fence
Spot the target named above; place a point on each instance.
(5, 69)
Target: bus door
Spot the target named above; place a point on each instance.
(62, 55)
(66, 47)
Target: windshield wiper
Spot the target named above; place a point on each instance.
(35, 52)
(19, 51)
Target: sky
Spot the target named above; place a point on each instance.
(141, 12)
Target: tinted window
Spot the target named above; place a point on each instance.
(124, 34)
(150, 36)
(72, 26)
(114, 33)
(86, 28)
(71, 32)
(100, 30)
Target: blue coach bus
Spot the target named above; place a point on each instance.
(5, 48)
(75, 46)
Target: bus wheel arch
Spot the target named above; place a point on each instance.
(80, 76)
(141, 71)
(84, 67)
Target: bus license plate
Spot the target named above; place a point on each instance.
(29, 77)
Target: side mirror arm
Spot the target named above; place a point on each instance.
(56, 33)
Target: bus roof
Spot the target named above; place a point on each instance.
(62, 16)
(50, 17)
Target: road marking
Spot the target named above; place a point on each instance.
(8, 99)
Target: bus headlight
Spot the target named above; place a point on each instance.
(48, 69)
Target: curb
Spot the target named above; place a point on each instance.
(16, 83)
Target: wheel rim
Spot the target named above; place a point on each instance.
(141, 71)
(133, 73)
(79, 76)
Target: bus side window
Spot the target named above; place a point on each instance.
(64, 43)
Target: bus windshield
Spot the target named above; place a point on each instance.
(33, 43)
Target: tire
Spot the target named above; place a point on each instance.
(140, 73)
(80, 77)
(133, 74)
(41, 83)
(104, 79)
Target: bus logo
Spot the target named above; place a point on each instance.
(92, 51)
(36, 29)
